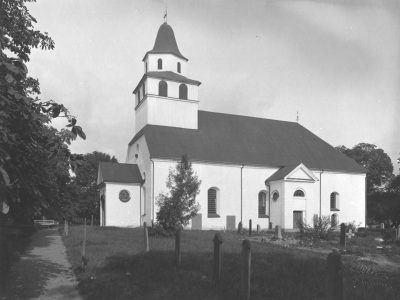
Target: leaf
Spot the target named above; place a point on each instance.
(56, 111)
(6, 178)
(81, 133)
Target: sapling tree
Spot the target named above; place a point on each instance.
(179, 205)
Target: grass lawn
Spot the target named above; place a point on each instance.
(118, 268)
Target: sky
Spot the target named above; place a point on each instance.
(334, 62)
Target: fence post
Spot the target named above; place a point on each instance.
(178, 247)
(250, 227)
(65, 227)
(91, 222)
(342, 236)
(245, 270)
(146, 238)
(84, 259)
(334, 278)
(217, 258)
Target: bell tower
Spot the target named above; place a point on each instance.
(165, 96)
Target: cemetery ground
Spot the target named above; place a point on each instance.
(119, 268)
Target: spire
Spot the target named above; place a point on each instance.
(165, 41)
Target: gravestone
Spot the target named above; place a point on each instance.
(382, 225)
(240, 228)
(278, 232)
(197, 222)
(342, 236)
(334, 278)
(258, 228)
(350, 234)
(230, 222)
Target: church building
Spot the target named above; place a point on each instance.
(272, 172)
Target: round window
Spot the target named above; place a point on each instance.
(275, 195)
(124, 196)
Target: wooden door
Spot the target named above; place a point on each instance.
(297, 219)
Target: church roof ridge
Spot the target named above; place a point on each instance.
(245, 140)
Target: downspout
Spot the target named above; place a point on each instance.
(140, 205)
(152, 191)
(320, 193)
(269, 201)
(241, 194)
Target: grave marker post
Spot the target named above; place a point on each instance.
(178, 247)
(334, 278)
(146, 238)
(245, 270)
(217, 258)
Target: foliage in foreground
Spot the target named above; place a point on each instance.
(34, 156)
(179, 206)
(321, 229)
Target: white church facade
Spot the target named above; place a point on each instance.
(272, 172)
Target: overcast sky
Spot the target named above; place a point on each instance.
(335, 62)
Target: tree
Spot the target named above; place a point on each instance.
(87, 202)
(377, 163)
(31, 151)
(179, 205)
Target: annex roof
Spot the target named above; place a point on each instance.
(291, 173)
(119, 172)
(166, 42)
(235, 139)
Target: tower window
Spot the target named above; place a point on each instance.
(146, 67)
(183, 91)
(334, 220)
(159, 64)
(138, 95)
(298, 193)
(178, 67)
(163, 88)
(213, 203)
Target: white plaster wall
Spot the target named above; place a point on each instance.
(172, 112)
(277, 207)
(173, 88)
(119, 213)
(306, 204)
(145, 167)
(141, 116)
(253, 183)
(170, 62)
(351, 189)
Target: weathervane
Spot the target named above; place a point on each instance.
(166, 11)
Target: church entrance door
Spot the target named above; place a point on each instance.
(297, 219)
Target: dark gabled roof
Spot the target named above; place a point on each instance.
(166, 42)
(245, 140)
(167, 75)
(119, 172)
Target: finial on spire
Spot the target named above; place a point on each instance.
(297, 117)
(166, 11)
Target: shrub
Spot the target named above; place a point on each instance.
(321, 228)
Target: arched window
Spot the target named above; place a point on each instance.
(334, 201)
(183, 91)
(178, 67)
(262, 204)
(334, 220)
(138, 96)
(145, 69)
(159, 64)
(144, 88)
(213, 204)
(298, 193)
(163, 88)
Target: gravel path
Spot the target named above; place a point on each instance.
(43, 272)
